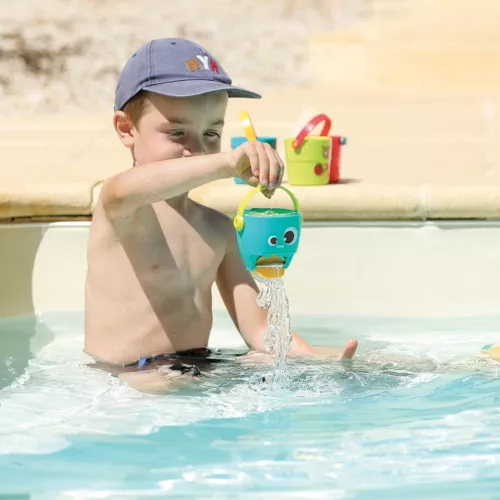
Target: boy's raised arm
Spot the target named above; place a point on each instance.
(126, 192)
(254, 162)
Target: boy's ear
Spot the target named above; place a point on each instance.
(124, 128)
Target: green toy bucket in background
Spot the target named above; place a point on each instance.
(314, 160)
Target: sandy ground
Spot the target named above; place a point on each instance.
(65, 55)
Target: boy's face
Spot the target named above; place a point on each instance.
(174, 127)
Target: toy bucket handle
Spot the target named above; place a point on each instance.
(256, 190)
(297, 142)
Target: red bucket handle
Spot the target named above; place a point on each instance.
(297, 142)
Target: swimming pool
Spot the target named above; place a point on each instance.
(415, 415)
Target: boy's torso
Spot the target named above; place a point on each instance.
(149, 281)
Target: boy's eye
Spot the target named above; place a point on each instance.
(175, 133)
(212, 133)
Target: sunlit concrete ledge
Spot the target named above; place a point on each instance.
(366, 201)
(46, 202)
(356, 201)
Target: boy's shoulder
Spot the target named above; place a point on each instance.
(218, 222)
(212, 215)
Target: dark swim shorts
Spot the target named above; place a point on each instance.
(191, 362)
(183, 361)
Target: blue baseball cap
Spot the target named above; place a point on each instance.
(174, 67)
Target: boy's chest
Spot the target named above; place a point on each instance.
(173, 249)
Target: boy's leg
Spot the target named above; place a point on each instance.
(342, 354)
(165, 379)
(337, 353)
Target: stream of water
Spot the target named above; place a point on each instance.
(278, 338)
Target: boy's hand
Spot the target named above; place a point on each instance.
(257, 163)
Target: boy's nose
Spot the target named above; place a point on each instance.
(193, 147)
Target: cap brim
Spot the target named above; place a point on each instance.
(190, 88)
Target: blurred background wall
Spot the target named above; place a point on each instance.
(64, 55)
(413, 84)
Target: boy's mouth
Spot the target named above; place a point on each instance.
(270, 267)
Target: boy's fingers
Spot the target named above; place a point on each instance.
(253, 158)
(263, 164)
(349, 350)
(274, 166)
(251, 180)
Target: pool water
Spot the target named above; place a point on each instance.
(416, 415)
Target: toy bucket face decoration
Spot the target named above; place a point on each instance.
(268, 238)
(314, 160)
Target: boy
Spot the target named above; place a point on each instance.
(154, 254)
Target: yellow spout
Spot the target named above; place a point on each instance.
(270, 267)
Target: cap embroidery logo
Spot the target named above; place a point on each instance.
(194, 64)
(214, 66)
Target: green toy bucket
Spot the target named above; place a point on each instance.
(314, 160)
